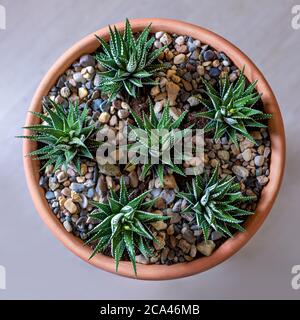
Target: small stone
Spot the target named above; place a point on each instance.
(78, 77)
(159, 225)
(104, 117)
(193, 101)
(180, 58)
(109, 169)
(262, 180)
(247, 155)
(82, 92)
(168, 196)
(61, 176)
(223, 155)
(256, 135)
(160, 203)
(158, 34)
(164, 254)
(50, 195)
(201, 70)
(267, 152)
(66, 192)
(160, 242)
(158, 106)
(83, 169)
(179, 40)
(77, 187)
(206, 248)
(174, 113)
(187, 85)
(123, 114)
(170, 230)
(259, 161)
(215, 235)
(155, 91)
(155, 192)
(177, 206)
(141, 259)
(193, 251)
(184, 246)
(240, 171)
(246, 144)
(90, 194)
(214, 72)
(67, 225)
(208, 55)
(175, 218)
(70, 206)
(170, 182)
(87, 60)
(188, 235)
(113, 121)
(166, 39)
(75, 196)
(172, 92)
(65, 92)
(133, 179)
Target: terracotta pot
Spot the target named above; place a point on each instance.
(162, 272)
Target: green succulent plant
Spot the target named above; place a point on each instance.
(65, 135)
(214, 202)
(159, 136)
(129, 63)
(123, 225)
(231, 110)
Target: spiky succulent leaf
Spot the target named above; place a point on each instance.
(65, 135)
(160, 136)
(128, 62)
(123, 225)
(232, 109)
(215, 204)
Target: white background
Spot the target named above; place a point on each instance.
(37, 265)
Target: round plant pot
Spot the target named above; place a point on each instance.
(162, 272)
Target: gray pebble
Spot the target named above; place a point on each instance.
(77, 187)
(50, 195)
(67, 225)
(87, 60)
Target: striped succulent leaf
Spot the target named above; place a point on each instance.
(129, 63)
(232, 109)
(65, 135)
(215, 204)
(160, 136)
(123, 225)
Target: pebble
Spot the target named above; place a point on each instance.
(259, 161)
(223, 155)
(246, 144)
(179, 40)
(172, 92)
(70, 206)
(61, 176)
(78, 77)
(206, 248)
(175, 218)
(65, 92)
(133, 179)
(177, 206)
(180, 58)
(104, 117)
(67, 225)
(166, 39)
(90, 193)
(77, 187)
(193, 101)
(193, 251)
(159, 225)
(215, 235)
(168, 196)
(247, 155)
(188, 235)
(170, 230)
(170, 182)
(87, 60)
(82, 92)
(240, 171)
(208, 55)
(109, 169)
(184, 246)
(214, 72)
(123, 114)
(50, 195)
(262, 180)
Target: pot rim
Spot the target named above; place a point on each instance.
(269, 192)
